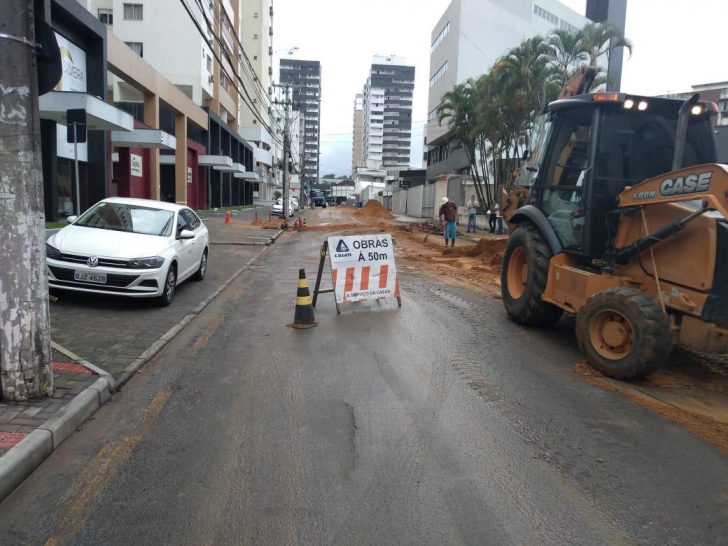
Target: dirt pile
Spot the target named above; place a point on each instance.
(488, 250)
(374, 209)
(267, 224)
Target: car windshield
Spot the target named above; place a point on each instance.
(128, 218)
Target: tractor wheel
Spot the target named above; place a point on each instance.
(623, 333)
(523, 278)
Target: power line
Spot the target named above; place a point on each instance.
(222, 66)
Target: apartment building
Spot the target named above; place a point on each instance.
(387, 113)
(257, 116)
(714, 92)
(304, 79)
(203, 59)
(358, 140)
(472, 34)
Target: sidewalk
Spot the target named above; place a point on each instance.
(30, 431)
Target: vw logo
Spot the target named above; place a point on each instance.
(93, 261)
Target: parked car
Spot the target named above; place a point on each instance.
(318, 198)
(129, 247)
(277, 208)
(294, 203)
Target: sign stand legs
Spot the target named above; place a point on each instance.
(317, 288)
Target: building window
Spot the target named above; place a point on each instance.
(440, 37)
(136, 47)
(106, 16)
(255, 14)
(550, 17)
(255, 36)
(255, 57)
(439, 74)
(133, 12)
(209, 63)
(255, 121)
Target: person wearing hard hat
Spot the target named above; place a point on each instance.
(449, 219)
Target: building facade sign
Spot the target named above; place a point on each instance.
(73, 78)
(136, 165)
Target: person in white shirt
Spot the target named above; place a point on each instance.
(472, 207)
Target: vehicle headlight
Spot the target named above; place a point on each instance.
(53, 253)
(155, 262)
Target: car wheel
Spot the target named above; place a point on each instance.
(170, 283)
(202, 270)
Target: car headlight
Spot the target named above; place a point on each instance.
(155, 262)
(53, 253)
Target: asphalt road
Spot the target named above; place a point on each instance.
(440, 422)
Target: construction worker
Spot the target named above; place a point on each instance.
(472, 206)
(449, 219)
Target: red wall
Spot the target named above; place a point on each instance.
(197, 189)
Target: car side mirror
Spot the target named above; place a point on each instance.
(186, 234)
(71, 219)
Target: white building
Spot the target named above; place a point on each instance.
(465, 43)
(387, 113)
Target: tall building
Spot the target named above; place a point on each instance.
(203, 59)
(465, 43)
(256, 34)
(387, 118)
(358, 140)
(304, 79)
(714, 92)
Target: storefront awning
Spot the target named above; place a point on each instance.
(144, 138)
(100, 115)
(247, 176)
(234, 168)
(215, 161)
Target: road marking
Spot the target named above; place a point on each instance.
(207, 334)
(97, 475)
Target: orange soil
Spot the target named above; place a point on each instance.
(374, 209)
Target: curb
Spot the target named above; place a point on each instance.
(246, 243)
(158, 345)
(22, 460)
(31, 451)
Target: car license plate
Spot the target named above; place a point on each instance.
(84, 276)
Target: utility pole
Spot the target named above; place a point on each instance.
(25, 344)
(286, 150)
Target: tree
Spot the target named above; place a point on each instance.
(277, 194)
(331, 175)
(601, 39)
(565, 50)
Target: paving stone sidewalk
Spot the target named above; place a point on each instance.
(18, 419)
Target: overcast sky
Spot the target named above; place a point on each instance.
(677, 44)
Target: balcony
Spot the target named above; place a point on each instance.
(271, 11)
(270, 31)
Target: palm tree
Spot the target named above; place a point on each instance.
(458, 108)
(600, 39)
(566, 49)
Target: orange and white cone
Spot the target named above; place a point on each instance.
(228, 218)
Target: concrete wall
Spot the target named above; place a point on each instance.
(414, 201)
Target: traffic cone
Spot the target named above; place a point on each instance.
(228, 218)
(304, 317)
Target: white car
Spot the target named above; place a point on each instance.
(129, 247)
(277, 208)
(294, 203)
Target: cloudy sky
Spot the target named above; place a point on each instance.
(677, 44)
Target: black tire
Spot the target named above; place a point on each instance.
(202, 270)
(525, 305)
(647, 339)
(170, 283)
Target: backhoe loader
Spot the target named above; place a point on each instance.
(619, 218)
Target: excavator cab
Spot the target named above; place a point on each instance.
(620, 218)
(587, 149)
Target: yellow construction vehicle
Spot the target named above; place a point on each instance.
(620, 217)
